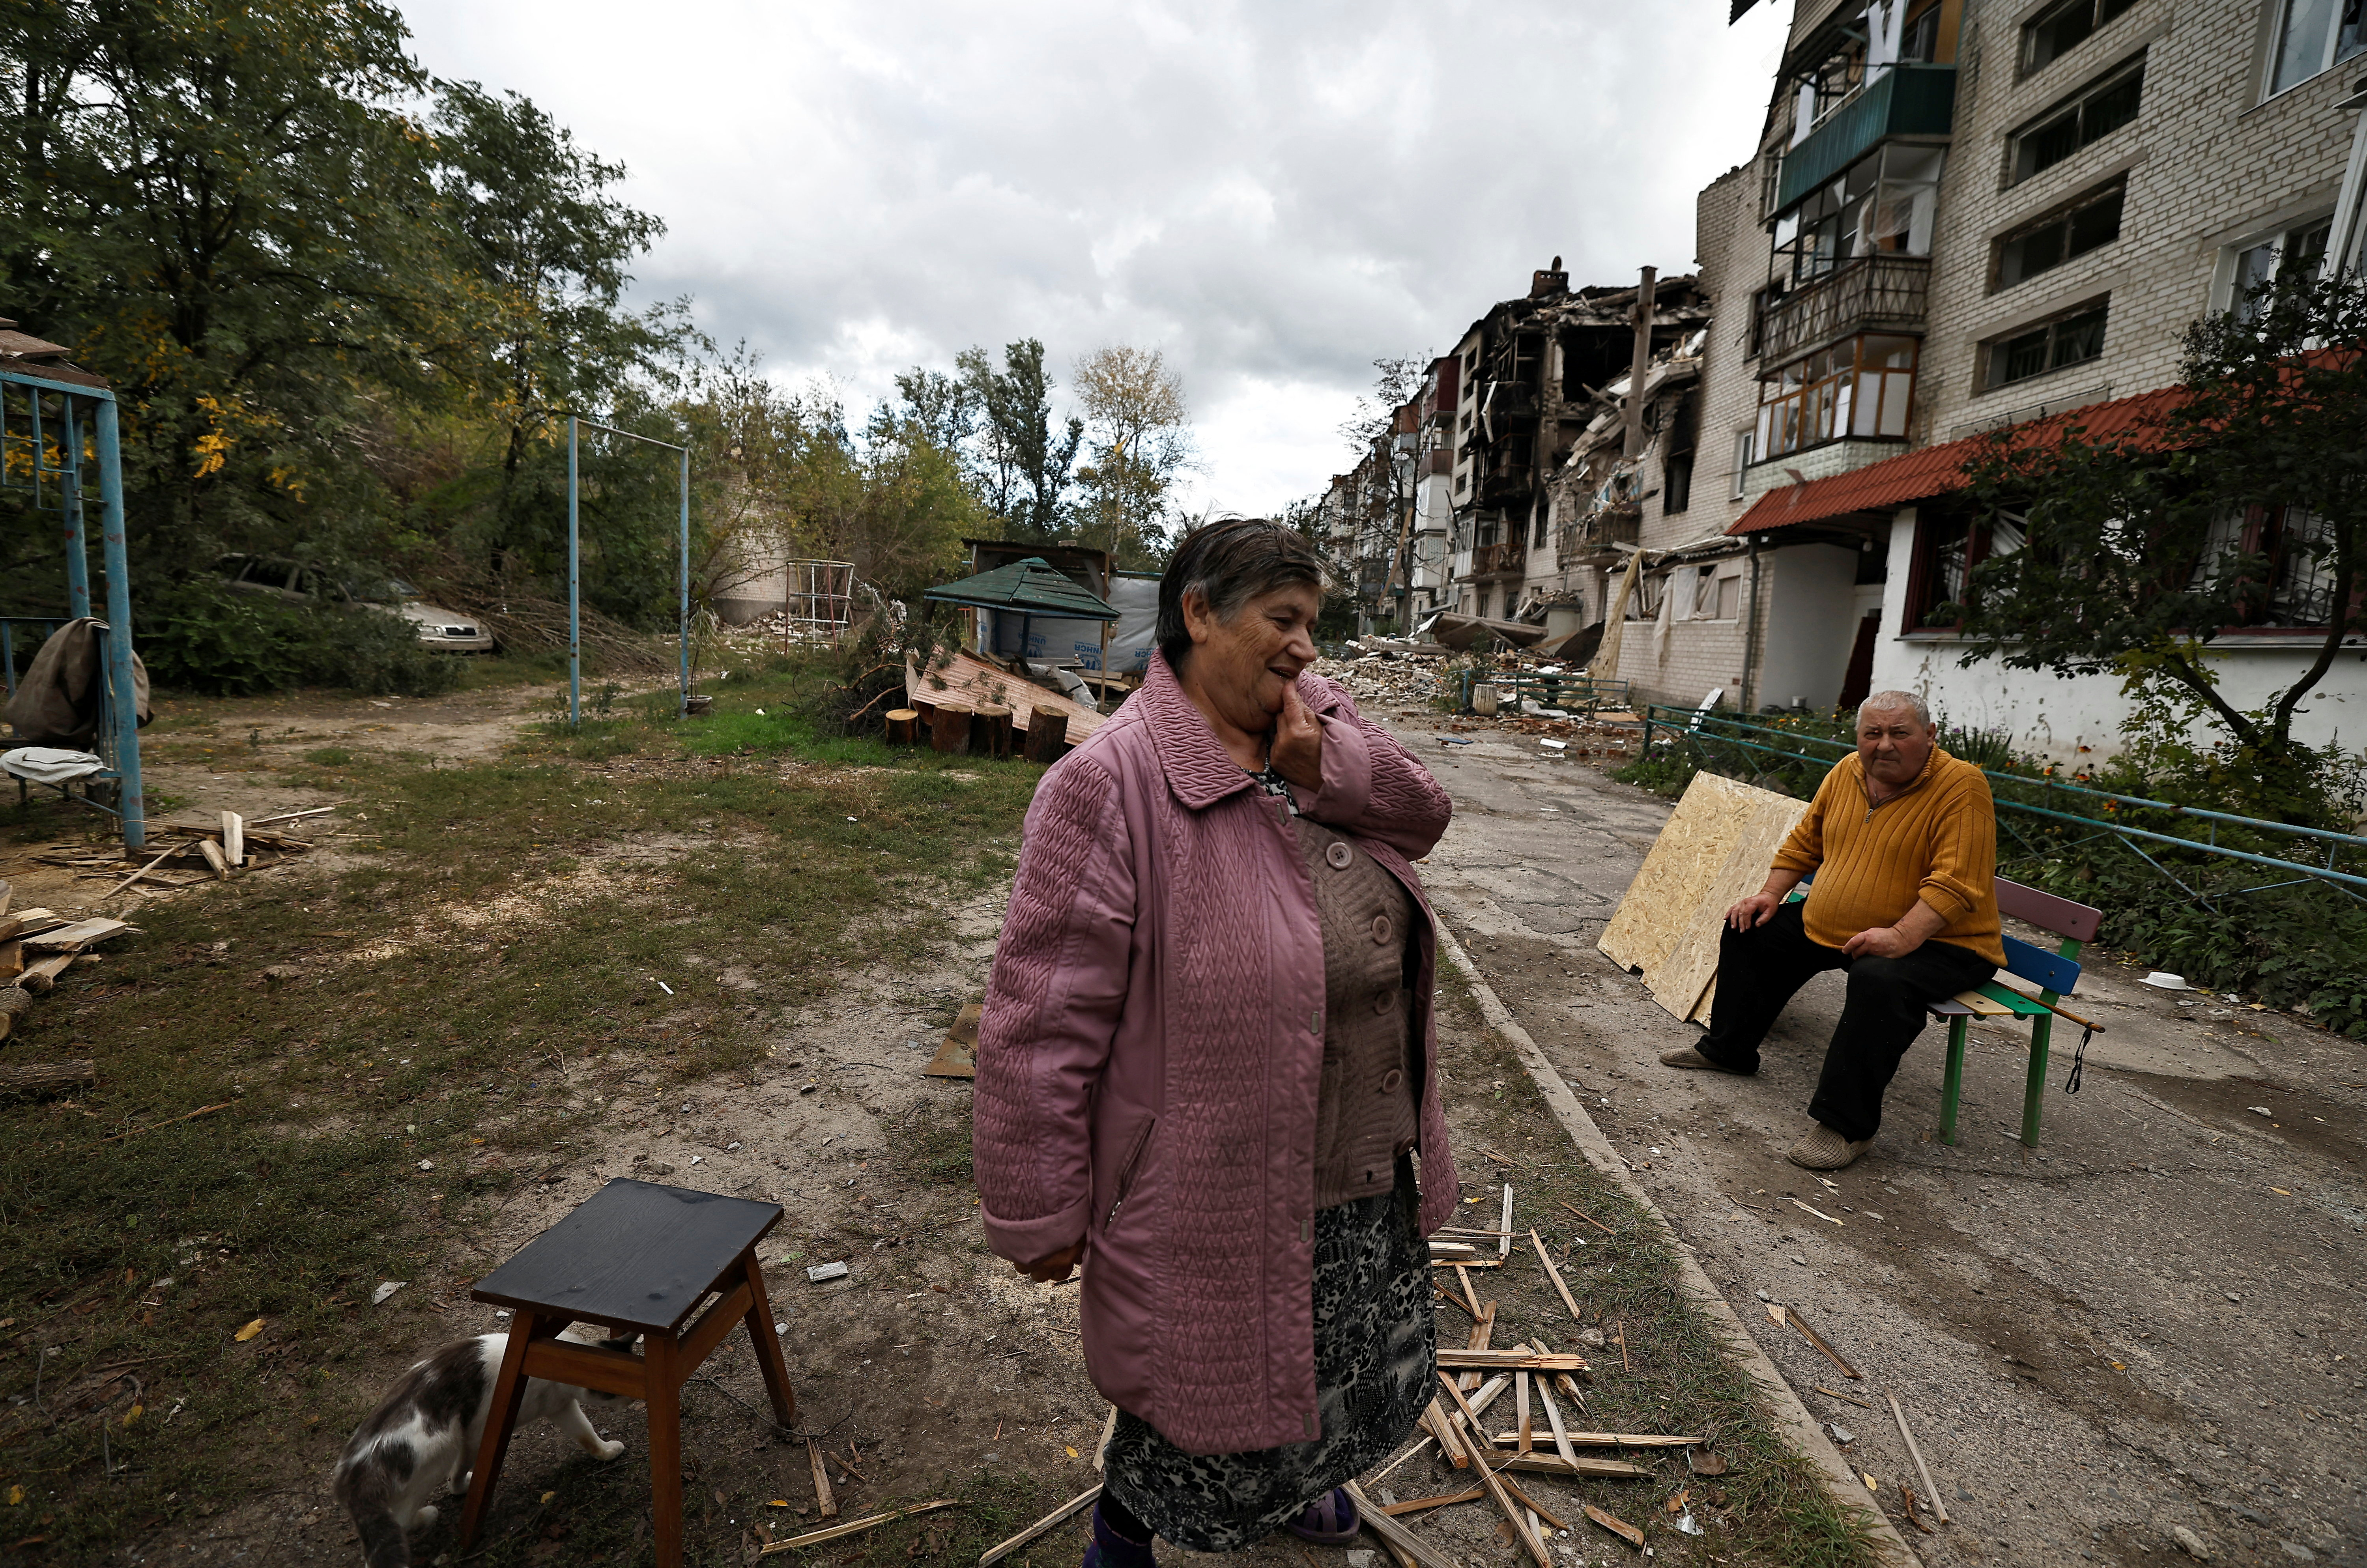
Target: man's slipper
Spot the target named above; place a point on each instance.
(1690, 1057)
(1821, 1148)
(1331, 1520)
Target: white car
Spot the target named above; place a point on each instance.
(293, 580)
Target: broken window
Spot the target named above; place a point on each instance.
(2058, 29)
(2314, 36)
(2091, 219)
(2072, 338)
(1883, 203)
(1862, 387)
(2298, 590)
(2296, 253)
(2087, 117)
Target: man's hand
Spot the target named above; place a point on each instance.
(1298, 753)
(1755, 911)
(1881, 942)
(1053, 1268)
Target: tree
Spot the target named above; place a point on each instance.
(1025, 467)
(2241, 504)
(1141, 440)
(1376, 411)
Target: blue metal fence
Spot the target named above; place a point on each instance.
(2038, 813)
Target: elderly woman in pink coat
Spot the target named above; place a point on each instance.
(1207, 1071)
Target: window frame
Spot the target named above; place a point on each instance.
(1993, 350)
(2102, 14)
(1923, 573)
(2075, 104)
(2228, 287)
(2065, 214)
(1820, 402)
(2329, 53)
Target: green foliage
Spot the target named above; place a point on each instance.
(1024, 467)
(199, 635)
(2240, 503)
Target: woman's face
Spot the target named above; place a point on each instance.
(1245, 664)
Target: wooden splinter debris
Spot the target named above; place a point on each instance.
(217, 861)
(1915, 1454)
(1553, 1273)
(1913, 1504)
(1504, 1236)
(1614, 1524)
(136, 875)
(826, 1505)
(997, 1553)
(1509, 1361)
(1468, 1441)
(855, 1527)
(185, 1116)
(1424, 1505)
(1792, 1315)
(233, 835)
(1409, 1547)
(1553, 1419)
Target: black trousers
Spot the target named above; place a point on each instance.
(1760, 970)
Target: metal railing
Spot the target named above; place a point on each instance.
(1869, 292)
(1704, 735)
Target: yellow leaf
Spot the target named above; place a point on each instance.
(16, 1497)
(133, 1413)
(549, 1495)
(249, 1332)
(2287, 1191)
(778, 1503)
(1870, 1485)
(1072, 1453)
(2120, 1366)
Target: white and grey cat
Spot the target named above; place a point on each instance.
(421, 1440)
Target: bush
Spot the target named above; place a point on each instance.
(200, 637)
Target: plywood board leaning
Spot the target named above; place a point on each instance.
(1715, 850)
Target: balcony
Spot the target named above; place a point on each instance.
(1507, 555)
(1879, 293)
(1911, 99)
(1510, 488)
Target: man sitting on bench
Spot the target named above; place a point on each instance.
(1902, 840)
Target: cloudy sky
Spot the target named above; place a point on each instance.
(1272, 194)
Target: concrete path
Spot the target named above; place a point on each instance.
(2150, 1324)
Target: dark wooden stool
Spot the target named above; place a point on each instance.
(638, 1258)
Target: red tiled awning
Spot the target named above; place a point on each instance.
(1938, 470)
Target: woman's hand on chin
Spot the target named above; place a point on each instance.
(1053, 1268)
(1298, 742)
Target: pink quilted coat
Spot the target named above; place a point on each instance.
(1153, 1038)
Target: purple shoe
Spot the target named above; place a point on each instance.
(1329, 1520)
(1111, 1549)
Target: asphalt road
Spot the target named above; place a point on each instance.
(2151, 1323)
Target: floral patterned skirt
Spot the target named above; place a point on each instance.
(1376, 1359)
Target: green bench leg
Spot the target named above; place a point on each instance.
(1954, 1084)
(2033, 1094)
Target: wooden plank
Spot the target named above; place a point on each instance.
(78, 936)
(1443, 1500)
(1467, 1438)
(1691, 849)
(997, 1553)
(1614, 1439)
(40, 978)
(1764, 819)
(826, 1505)
(1554, 1275)
(1553, 1418)
(1584, 1466)
(2048, 913)
(1915, 1454)
(215, 858)
(233, 833)
(1510, 1360)
(2049, 971)
(1395, 1536)
(969, 681)
(1980, 1005)
(855, 1527)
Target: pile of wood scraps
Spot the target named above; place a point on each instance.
(1542, 1439)
(208, 853)
(36, 947)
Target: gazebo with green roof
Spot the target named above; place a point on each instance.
(1027, 589)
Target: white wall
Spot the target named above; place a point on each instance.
(1809, 590)
(2077, 718)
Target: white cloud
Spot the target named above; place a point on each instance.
(1272, 194)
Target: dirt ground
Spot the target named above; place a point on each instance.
(2151, 1321)
(2097, 1342)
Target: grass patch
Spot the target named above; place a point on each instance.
(1677, 1374)
(455, 1010)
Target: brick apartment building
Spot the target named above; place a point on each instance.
(1962, 214)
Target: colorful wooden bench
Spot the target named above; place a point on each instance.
(2054, 974)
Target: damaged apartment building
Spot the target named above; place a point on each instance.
(1962, 215)
(1512, 403)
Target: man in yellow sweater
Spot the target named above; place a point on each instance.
(1902, 841)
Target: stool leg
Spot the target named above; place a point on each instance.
(1953, 1084)
(769, 1359)
(663, 1359)
(509, 1393)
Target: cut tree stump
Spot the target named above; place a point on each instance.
(33, 1078)
(949, 731)
(991, 733)
(903, 727)
(12, 960)
(15, 1002)
(1048, 735)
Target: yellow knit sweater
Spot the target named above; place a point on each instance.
(1935, 841)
